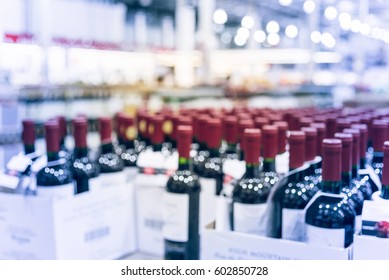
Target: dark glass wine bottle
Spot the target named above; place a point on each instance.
(329, 219)
(313, 174)
(332, 126)
(111, 165)
(56, 179)
(282, 136)
(363, 143)
(383, 195)
(292, 193)
(210, 171)
(63, 150)
(231, 137)
(354, 195)
(28, 136)
(242, 125)
(270, 147)
(129, 152)
(182, 205)
(380, 132)
(361, 183)
(85, 171)
(202, 152)
(321, 134)
(250, 194)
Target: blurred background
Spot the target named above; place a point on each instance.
(98, 57)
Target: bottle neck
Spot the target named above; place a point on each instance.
(354, 171)
(62, 146)
(269, 165)
(362, 163)
(80, 152)
(331, 187)
(346, 177)
(385, 192)
(214, 152)
(29, 148)
(157, 147)
(129, 144)
(52, 156)
(107, 148)
(252, 170)
(231, 148)
(184, 163)
(378, 157)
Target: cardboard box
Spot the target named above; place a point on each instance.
(91, 225)
(229, 245)
(370, 248)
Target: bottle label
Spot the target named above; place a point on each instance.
(176, 216)
(113, 179)
(131, 173)
(59, 191)
(94, 184)
(234, 168)
(293, 224)
(358, 224)
(208, 186)
(250, 218)
(328, 237)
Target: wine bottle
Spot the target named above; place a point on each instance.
(111, 165)
(313, 174)
(210, 171)
(56, 179)
(292, 193)
(321, 134)
(329, 219)
(250, 194)
(63, 150)
(383, 194)
(282, 136)
(362, 184)
(363, 143)
(270, 148)
(129, 153)
(380, 131)
(203, 152)
(332, 126)
(354, 195)
(182, 205)
(242, 125)
(231, 137)
(28, 136)
(85, 171)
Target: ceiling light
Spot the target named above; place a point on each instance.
(309, 6)
(260, 36)
(285, 2)
(316, 37)
(291, 31)
(248, 22)
(356, 25)
(272, 27)
(330, 13)
(273, 39)
(328, 40)
(239, 41)
(365, 29)
(226, 38)
(243, 32)
(220, 16)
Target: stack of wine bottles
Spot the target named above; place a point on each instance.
(329, 154)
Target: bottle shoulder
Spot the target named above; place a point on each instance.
(330, 211)
(53, 175)
(85, 167)
(183, 181)
(110, 162)
(251, 190)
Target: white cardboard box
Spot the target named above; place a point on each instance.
(92, 225)
(370, 248)
(229, 245)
